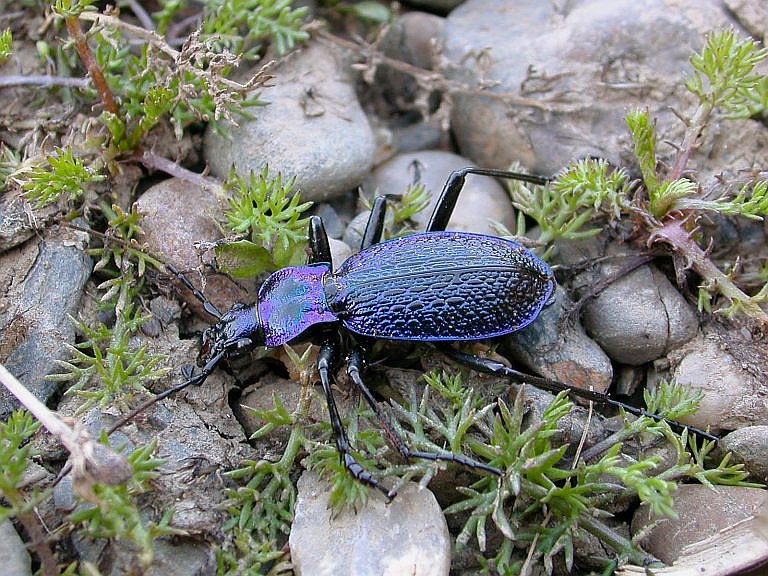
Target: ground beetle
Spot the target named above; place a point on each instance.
(436, 286)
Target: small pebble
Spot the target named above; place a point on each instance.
(733, 396)
(749, 446)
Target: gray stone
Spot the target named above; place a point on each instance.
(749, 446)
(175, 215)
(353, 235)
(557, 347)
(481, 202)
(16, 221)
(14, 557)
(407, 536)
(313, 128)
(637, 316)
(640, 317)
(339, 252)
(411, 38)
(731, 381)
(562, 76)
(702, 513)
(44, 281)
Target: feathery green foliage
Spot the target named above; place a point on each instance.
(269, 213)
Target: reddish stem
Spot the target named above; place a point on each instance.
(91, 66)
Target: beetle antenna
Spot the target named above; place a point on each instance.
(196, 379)
(207, 304)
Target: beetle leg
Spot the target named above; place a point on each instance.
(354, 368)
(450, 194)
(497, 368)
(320, 249)
(325, 361)
(375, 226)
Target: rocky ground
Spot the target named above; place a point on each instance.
(481, 82)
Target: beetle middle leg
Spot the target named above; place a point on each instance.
(326, 360)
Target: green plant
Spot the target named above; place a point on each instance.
(725, 82)
(261, 508)
(401, 209)
(584, 191)
(6, 45)
(112, 513)
(269, 212)
(65, 174)
(107, 354)
(539, 482)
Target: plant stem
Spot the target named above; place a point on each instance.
(680, 240)
(691, 140)
(622, 546)
(89, 61)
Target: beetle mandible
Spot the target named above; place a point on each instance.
(434, 286)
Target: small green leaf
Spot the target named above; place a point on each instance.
(372, 12)
(6, 45)
(243, 259)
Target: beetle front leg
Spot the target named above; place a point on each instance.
(374, 228)
(325, 362)
(319, 247)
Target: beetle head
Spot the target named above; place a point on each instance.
(235, 333)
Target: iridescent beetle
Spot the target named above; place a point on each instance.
(436, 286)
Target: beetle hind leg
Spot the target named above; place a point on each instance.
(489, 366)
(354, 369)
(453, 186)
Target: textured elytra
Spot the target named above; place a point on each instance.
(440, 286)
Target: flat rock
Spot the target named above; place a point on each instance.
(44, 280)
(407, 536)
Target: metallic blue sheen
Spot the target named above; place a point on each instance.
(440, 286)
(292, 300)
